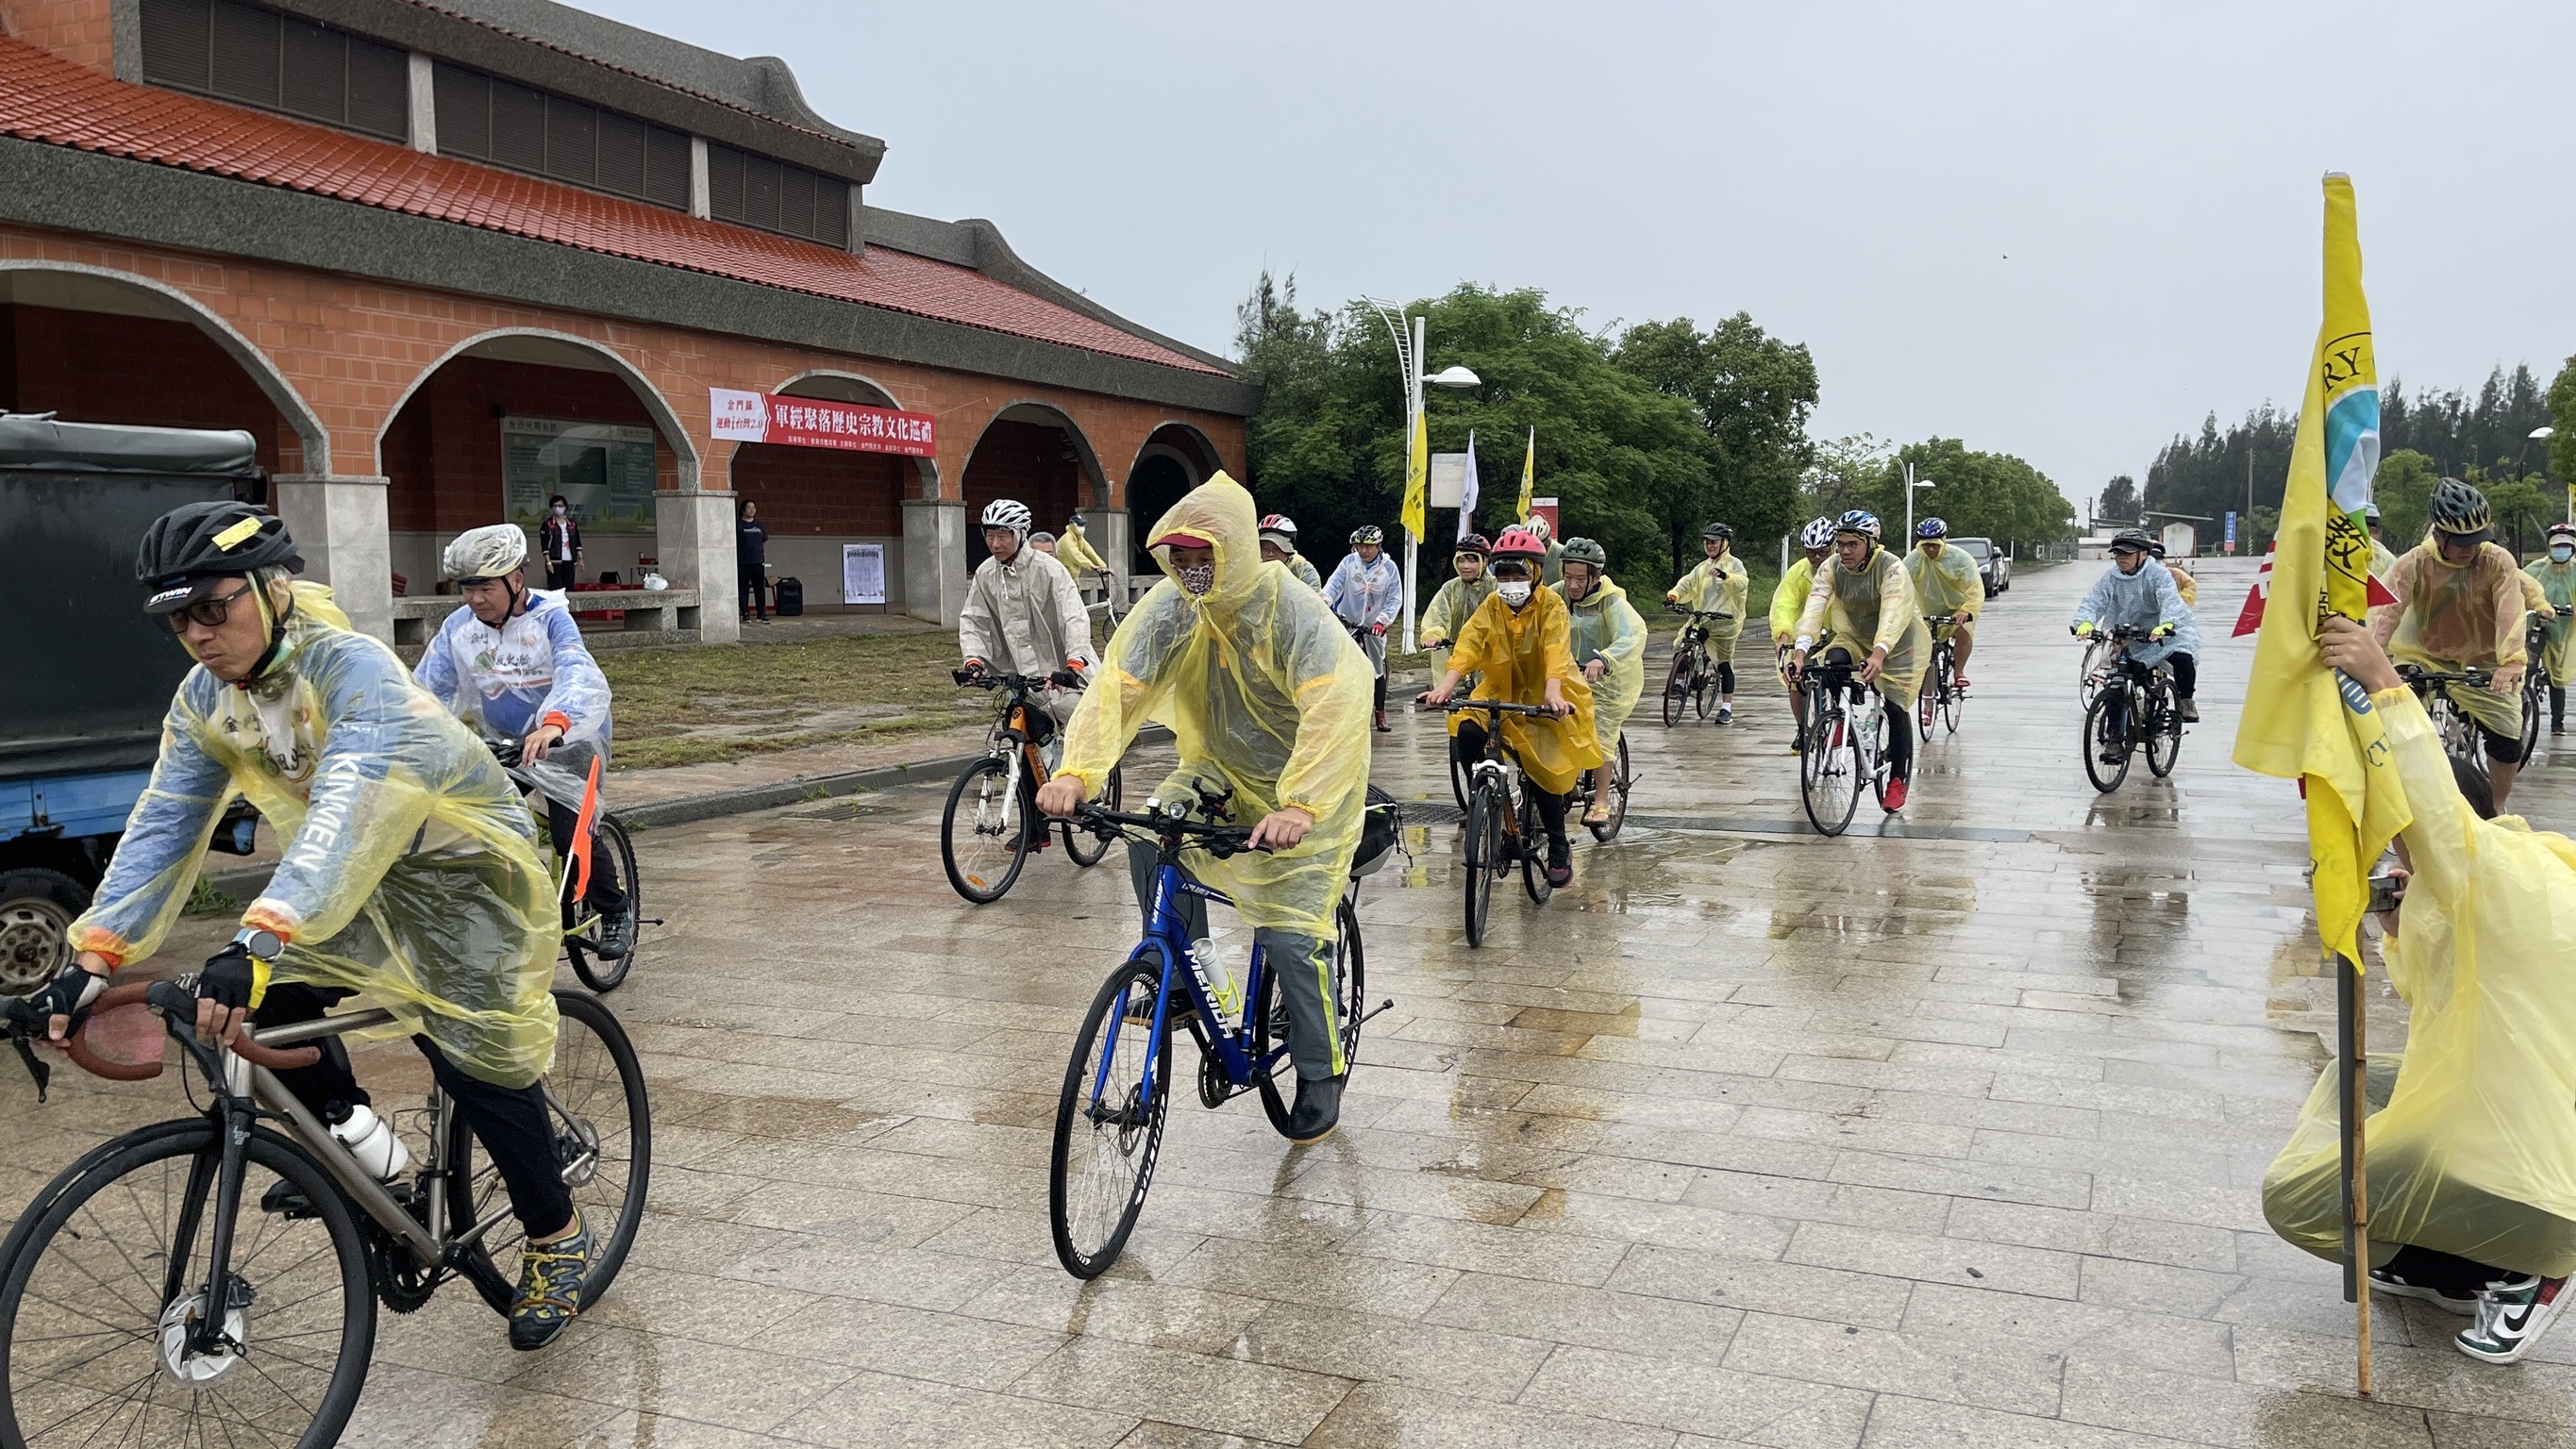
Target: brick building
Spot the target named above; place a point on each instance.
(444, 260)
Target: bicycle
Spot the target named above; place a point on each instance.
(1941, 697)
(1620, 780)
(599, 842)
(1692, 676)
(1000, 793)
(2133, 705)
(2462, 738)
(1502, 825)
(1117, 1085)
(1845, 745)
(206, 1276)
(2535, 682)
(2089, 670)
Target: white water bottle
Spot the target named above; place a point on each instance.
(372, 1141)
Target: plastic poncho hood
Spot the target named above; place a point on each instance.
(408, 871)
(1262, 688)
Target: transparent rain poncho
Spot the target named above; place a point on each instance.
(1262, 687)
(1451, 606)
(1517, 651)
(506, 682)
(1870, 608)
(1789, 600)
(1721, 585)
(1946, 585)
(2471, 1145)
(409, 868)
(2557, 583)
(2449, 617)
(1605, 624)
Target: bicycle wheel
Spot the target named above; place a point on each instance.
(1869, 753)
(984, 860)
(1951, 699)
(1457, 775)
(1084, 847)
(1927, 700)
(2164, 730)
(2106, 739)
(610, 850)
(1677, 688)
(1618, 796)
(1108, 1127)
(102, 1279)
(1827, 781)
(603, 1125)
(1483, 852)
(1533, 847)
(2535, 698)
(1348, 983)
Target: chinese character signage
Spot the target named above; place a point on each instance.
(2231, 530)
(810, 422)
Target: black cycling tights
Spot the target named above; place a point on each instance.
(1725, 676)
(1900, 725)
(1468, 746)
(2186, 673)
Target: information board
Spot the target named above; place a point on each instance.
(603, 470)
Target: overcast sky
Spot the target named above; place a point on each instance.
(2065, 231)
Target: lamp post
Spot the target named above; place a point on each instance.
(1408, 366)
(1911, 483)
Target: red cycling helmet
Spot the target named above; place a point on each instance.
(1519, 542)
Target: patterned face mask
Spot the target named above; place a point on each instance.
(1515, 593)
(1198, 580)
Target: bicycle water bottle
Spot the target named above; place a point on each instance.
(1216, 982)
(371, 1140)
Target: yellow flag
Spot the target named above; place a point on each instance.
(2303, 721)
(1417, 480)
(1529, 478)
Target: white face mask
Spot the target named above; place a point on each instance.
(1515, 593)
(1198, 580)
(559, 510)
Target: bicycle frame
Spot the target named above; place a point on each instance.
(1167, 937)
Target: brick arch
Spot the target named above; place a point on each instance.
(1188, 442)
(684, 452)
(313, 438)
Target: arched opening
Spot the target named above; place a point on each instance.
(814, 501)
(506, 422)
(1174, 460)
(102, 347)
(1033, 453)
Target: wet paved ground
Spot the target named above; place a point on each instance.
(1948, 1136)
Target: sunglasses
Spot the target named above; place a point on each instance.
(209, 612)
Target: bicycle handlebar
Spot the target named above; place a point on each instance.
(1021, 683)
(1218, 839)
(2416, 676)
(1489, 706)
(172, 1001)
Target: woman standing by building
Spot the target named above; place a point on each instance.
(751, 561)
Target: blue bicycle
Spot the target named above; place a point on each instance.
(1109, 1120)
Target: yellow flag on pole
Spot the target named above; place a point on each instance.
(2303, 721)
(1417, 479)
(1529, 479)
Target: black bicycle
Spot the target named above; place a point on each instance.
(2462, 737)
(1941, 696)
(995, 799)
(1503, 828)
(2133, 706)
(1845, 747)
(1620, 779)
(1693, 678)
(2535, 682)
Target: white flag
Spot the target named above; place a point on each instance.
(1467, 491)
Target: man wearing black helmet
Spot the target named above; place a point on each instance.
(2460, 606)
(1717, 584)
(408, 866)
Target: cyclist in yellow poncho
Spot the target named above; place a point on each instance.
(1608, 640)
(2556, 576)
(1267, 696)
(1456, 601)
(1521, 641)
(1863, 593)
(1717, 584)
(1946, 583)
(2460, 606)
(1788, 601)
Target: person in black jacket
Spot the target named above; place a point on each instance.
(559, 540)
(750, 561)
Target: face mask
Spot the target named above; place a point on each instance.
(2562, 552)
(1515, 593)
(559, 510)
(1198, 580)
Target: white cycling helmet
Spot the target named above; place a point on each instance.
(1817, 534)
(484, 553)
(1009, 513)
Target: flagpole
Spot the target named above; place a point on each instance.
(1412, 544)
(2352, 1028)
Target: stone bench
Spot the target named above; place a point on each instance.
(653, 616)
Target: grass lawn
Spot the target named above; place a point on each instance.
(703, 703)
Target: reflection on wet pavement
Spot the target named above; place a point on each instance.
(1943, 1136)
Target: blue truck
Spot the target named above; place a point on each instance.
(85, 678)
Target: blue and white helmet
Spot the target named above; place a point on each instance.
(1860, 521)
(1932, 528)
(1819, 533)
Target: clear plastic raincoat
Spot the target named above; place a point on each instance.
(1074, 551)
(2472, 1146)
(1874, 603)
(1946, 585)
(2558, 585)
(1304, 568)
(2142, 600)
(1604, 625)
(1517, 652)
(2450, 617)
(1367, 595)
(535, 669)
(1719, 584)
(1261, 686)
(409, 870)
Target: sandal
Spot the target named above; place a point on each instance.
(1599, 814)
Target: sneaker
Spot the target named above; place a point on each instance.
(1726, 714)
(551, 1279)
(1895, 796)
(617, 933)
(2449, 1300)
(2511, 1318)
(1560, 867)
(1317, 1111)
(2189, 711)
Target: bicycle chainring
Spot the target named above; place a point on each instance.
(1214, 1089)
(402, 1284)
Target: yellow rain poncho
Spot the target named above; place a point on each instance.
(1517, 652)
(1261, 686)
(2450, 617)
(409, 869)
(1604, 625)
(2472, 1146)
(1718, 584)
(1788, 601)
(1451, 606)
(2557, 583)
(1949, 584)
(2185, 585)
(2382, 559)
(1866, 609)
(1074, 551)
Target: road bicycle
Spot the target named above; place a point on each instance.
(1693, 678)
(2461, 737)
(2133, 705)
(1580, 803)
(1503, 828)
(1941, 697)
(1117, 1086)
(2535, 682)
(214, 1279)
(995, 798)
(1845, 746)
(599, 842)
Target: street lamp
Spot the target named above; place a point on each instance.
(1911, 483)
(1408, 364)
(1454, 377)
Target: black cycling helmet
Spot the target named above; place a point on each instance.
(190, 548)
(2461, 511)
(1714, 530)
(1475, 543)
(2132, 540)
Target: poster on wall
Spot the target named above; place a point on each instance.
(863, 573)
(603, 470)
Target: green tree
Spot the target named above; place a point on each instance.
(1990, 495)
(2120, 501)
(1841, 475)
(2562, 417)
(2403, 489)
(1752, 393)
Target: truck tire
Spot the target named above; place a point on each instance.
(36, 907)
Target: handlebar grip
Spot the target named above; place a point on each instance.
(178, 1004)
(76, 1046)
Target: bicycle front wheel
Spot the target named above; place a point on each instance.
(1927, 701)
(1109, 1122)
(2535, 698)
(1605, 833)
(610, 850)
(2164, 731)
(2107, 745)
(1951, 699)
(1346, 981)
(1483, 848)
(103, 1282)
(1533, 848)
(1828, 778)
(1677, 688)
(984, 833)
(1085, 847)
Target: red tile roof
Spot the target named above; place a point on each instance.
(48, 99)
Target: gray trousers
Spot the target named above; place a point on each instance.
(1314, 1029)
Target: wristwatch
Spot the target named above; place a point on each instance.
(261, 944)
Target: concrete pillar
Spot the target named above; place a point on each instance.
(934, 559)
(1112, 532)
(339, 527)
(693, 531)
